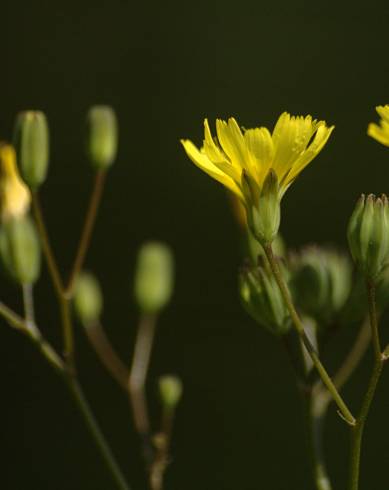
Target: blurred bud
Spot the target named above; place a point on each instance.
(31, 138)
(153, 277)
(102, 136)
(262, 299)
(88, 299)
(321, 282)
(14, 194)
(262, 207)
(368, 234)
(20, 249)
(170, 389)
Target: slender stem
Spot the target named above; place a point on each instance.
(344, 410)
(357, 430)
(19, 324)
(107, 354)
(47, 249)
(345, 371)
(68, 333)
(28, 303)
(94, 429)
(162, 443)
(136, 382)
(86, 233)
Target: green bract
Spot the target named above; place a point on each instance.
(368, 235)
(262, 299)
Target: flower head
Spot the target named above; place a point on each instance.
(259, 166)
(381, 132)
(14, 195)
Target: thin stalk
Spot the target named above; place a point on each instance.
(345, 371)
(28, 304)
(96, 433)
(357, 430)
(64, 297)
(344, 410)
(107, 354)
(86, 233)
(46, 245)
(162, 443)
(136, 382)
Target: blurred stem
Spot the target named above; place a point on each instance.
(15, 321)
(357, 430)
(313, 423)
(95, 431)
(344, 410)
(47, 250)
(315, 426)
(106, 353)
(64, 296)
(162, 444)
(87, 230)
(137, 379)
(28, 304)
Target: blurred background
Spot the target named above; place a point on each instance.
(164, 66)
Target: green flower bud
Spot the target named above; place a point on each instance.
(262, 206)
(321, 282)
(170, 389)
(102, 136)
(88, 299)
(20, 249)
(153, 277)
(31, 136)
(368, 235)
(262, 299)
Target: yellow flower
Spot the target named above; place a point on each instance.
(14, 194)
(381, 132)
(259, 166)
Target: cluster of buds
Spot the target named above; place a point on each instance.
(19, 243)
(368, 235)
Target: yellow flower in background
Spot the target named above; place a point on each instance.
(381, 132)
(258, 166)
(14, 194)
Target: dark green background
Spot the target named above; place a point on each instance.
(165, 66)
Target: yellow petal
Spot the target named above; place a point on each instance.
(320, 139)
(261, 150)
(379, 133)
(203, 162)
(232, 141)
(383, 111)
(14, 194)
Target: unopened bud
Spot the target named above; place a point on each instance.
(321, 282)
(102, 136)
(368, 234)
(31, 138)
(153, 277)
(88, 299)
(14, 194)
(170, 389)
(262, 299)
(20, 249)
(262, 206)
